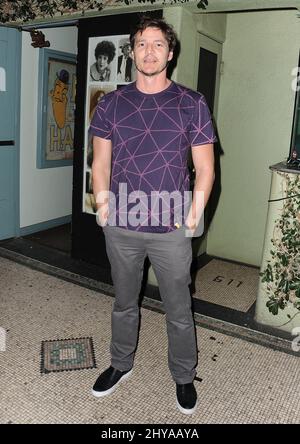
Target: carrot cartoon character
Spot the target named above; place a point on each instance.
(59, 97)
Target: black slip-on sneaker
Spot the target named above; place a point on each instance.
(108, 381)
(186, 398)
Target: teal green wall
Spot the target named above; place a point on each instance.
(255, 116)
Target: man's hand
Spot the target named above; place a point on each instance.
(190, 227)
(102, 214)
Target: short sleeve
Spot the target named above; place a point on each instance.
(201, 127)
(100, 126)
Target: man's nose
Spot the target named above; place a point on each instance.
(149, 48)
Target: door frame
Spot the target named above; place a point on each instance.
(17, 133)
(215, 46)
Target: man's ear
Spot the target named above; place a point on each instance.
(170, 56)
(131, 54)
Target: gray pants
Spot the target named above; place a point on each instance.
(170, 255)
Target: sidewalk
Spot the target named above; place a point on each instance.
(240, 381)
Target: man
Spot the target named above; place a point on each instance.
(142, 136)
(124, 64)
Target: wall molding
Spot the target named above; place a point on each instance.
(30, 229)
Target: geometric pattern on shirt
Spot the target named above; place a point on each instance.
(151, 136)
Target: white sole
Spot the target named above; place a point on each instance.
(112, 389)
(187, 411)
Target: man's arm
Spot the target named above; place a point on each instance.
(101, 170)
(203, 159)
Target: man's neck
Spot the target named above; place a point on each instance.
(152, 85)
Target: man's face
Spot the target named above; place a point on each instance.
(151, 51)
(102, 62)
(126, 50)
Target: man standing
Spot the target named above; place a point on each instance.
(142, 135)
(125, 64)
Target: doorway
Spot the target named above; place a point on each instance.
(209, 64)
(222, 288)
(209, 57)
(45, 177)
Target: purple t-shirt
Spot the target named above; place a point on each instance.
(151, 135)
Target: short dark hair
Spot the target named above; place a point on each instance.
(107, 48)
(149, 22)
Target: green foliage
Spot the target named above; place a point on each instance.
(26, 10)
(281, 275)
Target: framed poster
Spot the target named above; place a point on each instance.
(56, 108)
(109, 67)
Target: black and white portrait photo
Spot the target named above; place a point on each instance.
(103, 69)
(125, 63)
